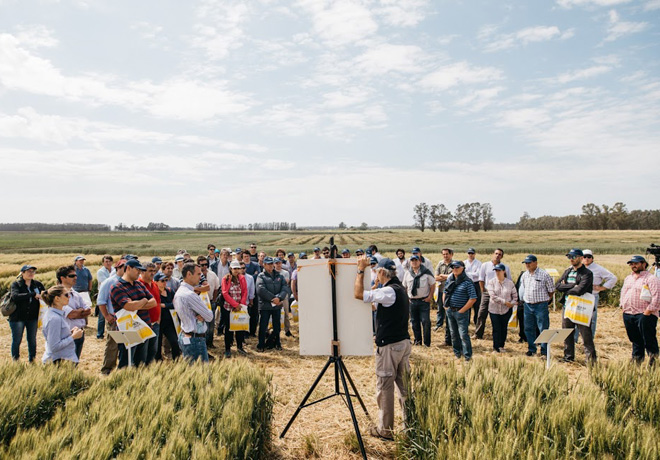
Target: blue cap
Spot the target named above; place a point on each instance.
(302, 254)
(368, 252)
(160, 276)
(268, 260)
(317, 249)
(416, 250)
(471, 251)
(129, 257)
(414, 257)
(157, 260)
(25, 268)
(237, 250)
(386, 263)
(575, 253)
(276, 260)
(500, 267)
(291, 254)
(217, 251)
(456, 264)
(373, 260)
(134, 263)
(346, 251)
(637, 259)
(530, 258)
(359, 251)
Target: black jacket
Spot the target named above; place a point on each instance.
(271, 286)
(27, 305)
(584, 282)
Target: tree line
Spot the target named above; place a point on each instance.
(42, 227)
(594, 217)
(467, 216)
(277, 226)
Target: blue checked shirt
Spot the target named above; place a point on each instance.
(536, 287)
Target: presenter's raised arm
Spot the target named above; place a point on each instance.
(358, 290)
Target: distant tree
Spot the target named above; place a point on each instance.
(619, 216)
(440, 218)
(461, 219)
(363, 226)
(591, 216)
(154, 226)
(342, 226)
(421, 215)
(474, 216)
(487, 220)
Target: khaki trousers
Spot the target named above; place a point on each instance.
(392, 367)
(286, 311)
(111, 351)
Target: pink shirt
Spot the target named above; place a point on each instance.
(632, 289)
(499, 294)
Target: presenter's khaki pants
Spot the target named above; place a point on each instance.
(392, 364)
(111, 351)
(286, 311)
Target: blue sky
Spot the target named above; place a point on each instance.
(325, 111)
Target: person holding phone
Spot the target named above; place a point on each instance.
(60, 338)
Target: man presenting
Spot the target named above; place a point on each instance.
(392, 339)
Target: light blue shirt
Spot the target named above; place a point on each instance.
(59, 342)
(103, 274)
(104, 293)
(250, 285)
(188, 305)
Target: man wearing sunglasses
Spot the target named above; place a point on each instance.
(76, 312)
(254, 256)
(576, 280)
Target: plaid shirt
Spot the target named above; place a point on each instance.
(632, 289)
(536, 287)
(124, 292)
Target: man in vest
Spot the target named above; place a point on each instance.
(392, 338)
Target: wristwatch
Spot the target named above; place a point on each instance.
(360, 272)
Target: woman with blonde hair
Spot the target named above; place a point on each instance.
(59, 337)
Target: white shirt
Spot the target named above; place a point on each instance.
(400, 271)
(103, 274)
(426, 262)
(384, 296)
(472, 269)
(602, 276)
(214, 283)
(487, 273)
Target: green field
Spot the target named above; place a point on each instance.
(166, 243)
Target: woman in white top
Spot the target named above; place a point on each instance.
(503, 297)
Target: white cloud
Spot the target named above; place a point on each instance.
(345, 98)
(342, 22)
(147, 30)
(572, 3)
(582, 74)
(175, 98)
(618, 28)
(652, 5)
(403, 13)
(384, 58)
(36, 36)
(460, 73)
(478, 100)
(220, 29)
(522, 37)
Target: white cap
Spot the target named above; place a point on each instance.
(587, 252)
(179, 257)
(235, 264)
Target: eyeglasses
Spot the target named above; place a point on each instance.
(73, 275)
(253, 247)
(571, 257)
(66, 294)
(203, 265)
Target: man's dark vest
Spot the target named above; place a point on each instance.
(392, 321)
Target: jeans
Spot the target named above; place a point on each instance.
(459, 322)
(168, 330)
(194, 350)
(420, 319)
(79, 344)
(642, 333)
(263, 326)
(500, 325)
(536, 316)
(594, 317)
(441, 317)
(138, 355)
(477, 303)
(100, 326)
(17, 328)
(152, 343)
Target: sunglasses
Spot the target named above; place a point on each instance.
(588, 257)
(72, 276)
(66, 294)
(203, 265)
(571, 257)
(253, 247)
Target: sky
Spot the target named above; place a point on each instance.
(318, 112)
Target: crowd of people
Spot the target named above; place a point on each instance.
(189, 300)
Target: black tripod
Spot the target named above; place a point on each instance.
(341, 372)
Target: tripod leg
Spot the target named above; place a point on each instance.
(350, 408)
(350, 380)
(309, 393)
(336, 375)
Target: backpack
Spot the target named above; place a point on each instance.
(7, 306)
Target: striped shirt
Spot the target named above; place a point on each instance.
(463, 292)
(124, 292)
(188, 305)
(632, 289)
(500, 293)
(536, 287)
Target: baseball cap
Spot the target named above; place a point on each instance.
(587, 252)
(134, 263)
(471, 251)
(277, 260)
(157, 260)
(120, 263)
(637, 259)
(25, 268)
(386, 263)
(456, 264)
(302, 254)
(528, 259)
(79, 258)
(373, 260)
(179, 257)
(237, 250)
(346, 251)
(317, 249)
(291, 254)
(235, 264)
(414, 257)
(575, 253)
(217, 251)
(160, 276)
(369, 252)
(268, 260)
(499, 267)
(359, 251)
(416, 250)
(130, 256)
